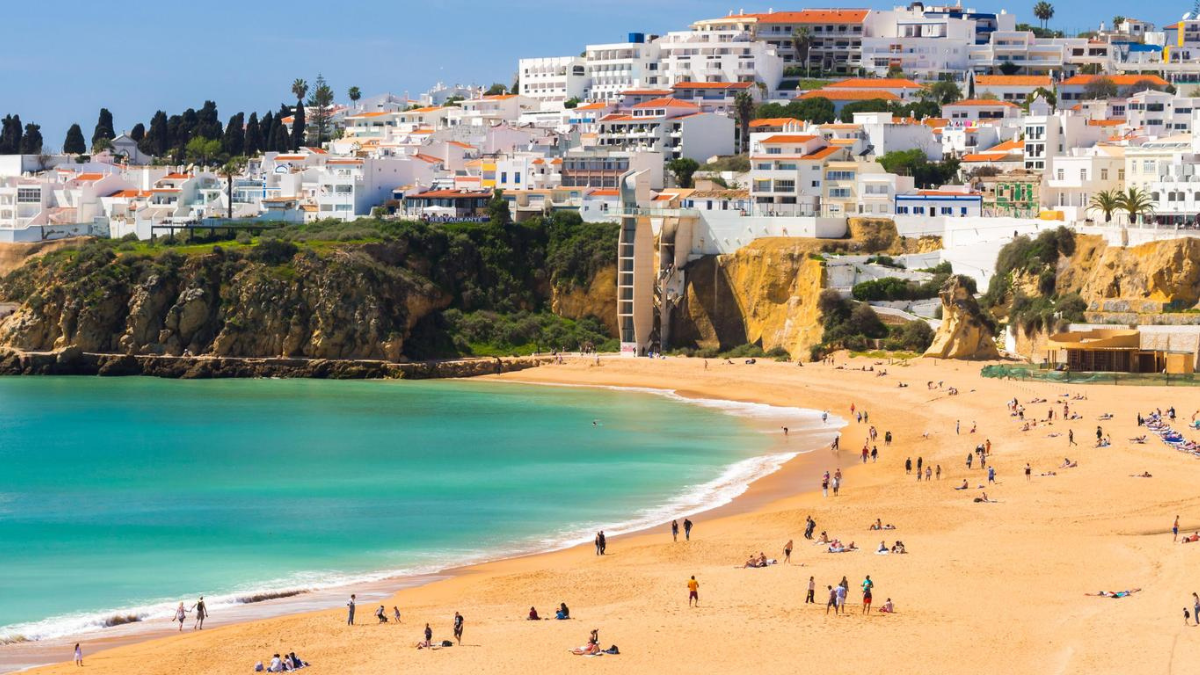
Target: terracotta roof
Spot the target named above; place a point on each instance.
(712, 85)
(1106, 123)
(498, 97)
(605, 193)
(1119, 80)
(841, 126)
(666, 103)
(459, 144)
(427, 158)
(1013, 80)
(593, 106)
(450, 194)
(789, 138)
(616, 118)
(89, 176)
(850, 95)
(647, 92)
(982, 102)
(874, 83)
(128, 194)
(370, 114)
(822, 153)
(431, 108)
(814, 16)
(989, 157)
(771, 122)
(288, 120)
(316, 151)
(290, 157)
(176, 176)
(1007, 146)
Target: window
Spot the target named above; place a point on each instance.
(774, 151)
(1103, 174)
(963, 210)
(27, 195)
(517, 178)
(785, 166)
(503, 176)
(947, 211)
(1059, 174)
(1083, 174)
(785, 186)
(763, 166)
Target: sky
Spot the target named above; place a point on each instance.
(60, 62)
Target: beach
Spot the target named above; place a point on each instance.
(984, 586)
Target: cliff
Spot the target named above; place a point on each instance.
(1130, 278)
(764, 293)
(965, 332)
(597, 299)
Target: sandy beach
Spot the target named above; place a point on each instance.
(984, 587)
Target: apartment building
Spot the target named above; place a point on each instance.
(603, 167)
(615, 68)
(836, 35)
(553, 80)
(980, 110)
(787, 173)
(1079, 175)
(1030, 55)
(1011, 88)
(1158, 113)
(1167, 169)
(925, 43)
(714, 97)
(1050, 136)
(1074, 89)
(717, 56)
(668, 126)
(949, 201)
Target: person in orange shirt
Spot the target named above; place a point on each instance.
(693, 591)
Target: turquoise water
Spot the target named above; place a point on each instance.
(136, 493)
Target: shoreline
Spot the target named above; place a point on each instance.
(1025, 562)
(778, 459)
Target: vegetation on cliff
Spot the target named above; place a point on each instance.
(854, 325)
(367, 289)
(1026, 282)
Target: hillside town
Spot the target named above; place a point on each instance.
(950, 123)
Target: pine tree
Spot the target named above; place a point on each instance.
(31, 142)
(74, 145)
(298, 127)
(157, 140)
(234, 140)
(208, 122)
(254, 141)
(104, 127)
(321, 104)
(10, 141)
(138, 132)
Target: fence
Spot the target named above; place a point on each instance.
(1034, 374)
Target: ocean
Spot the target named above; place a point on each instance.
(124, 496)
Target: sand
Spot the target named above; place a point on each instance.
(984, 588)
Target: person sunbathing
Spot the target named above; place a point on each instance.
(591, 648)
(888, 607)
(1114, 594)
(1144, 474)
(1068, 464)
(1048, 473)
(984, 499)
(1188, 540)
(877, 525)
(824, 538)
(1106, 416)
(964, 486)
(889, 526)
(898, 548)
(1140, 440)
(533, 615)
(883, 549)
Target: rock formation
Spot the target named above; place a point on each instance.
(964, 333)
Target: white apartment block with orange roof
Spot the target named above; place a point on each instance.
(718, 56)
(677, 129)
(1010, 88)
(487, 111)
(555, 79)
(836, 35)
(787, 173)
(1049, 136)
(1158, 113)
(615, 68)
(1080, 174)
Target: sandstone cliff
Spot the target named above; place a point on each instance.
(765, 293)
(597, 299)
(345, 305)
(964, 333)
(1155, 272)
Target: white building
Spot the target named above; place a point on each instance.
(614, 68)
(787, 173)
(717, 55)
(553, 80)
(923, 44)
(1021, 49)
(1080, 174)
(674, 128)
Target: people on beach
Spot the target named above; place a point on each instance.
(428, 642)
(563, 612)
(887, 608)
(687, 529)
(1175, 530)
(592, 647)
(867, 586)
(533, 614)
(809, 526)
(180, 615)
(832, 603)
(787, 552)
(693, 591)
(812, 589)
(350, 610)
(381, 614)
(201, 614)
(674, 530)
(396, 613)
(908, 466)
(458, 627)
(78, 655)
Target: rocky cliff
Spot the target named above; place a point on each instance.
(1153, 273)
(344, 305)
(965, 332)
(765, 293)
(598, 298)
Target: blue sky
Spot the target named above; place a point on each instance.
(61, 61)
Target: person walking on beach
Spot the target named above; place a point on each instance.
(920, 463)
(693, 591)
(833, 596)
(687, 529)
(991, 474)
(603, 543)
(201, 614)
(957, 426)
(908, 466)
(1028, 472)
(1196, 607)
(1175, 530)
(970, 458)
(865, 453)
(866, 599)
(787, 552)
(874, 453)
(458, 627)
(180, 616)
(674, 530)
(928, 473)
(825, 485)
(812, 589)
(841, 600)
(837, 483)
(428, 636)
(887, 438)
(939, 471)
(350, 610)
(78, 655)
(1071, 437)
(809, 527)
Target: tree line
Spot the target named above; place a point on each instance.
(198, 135)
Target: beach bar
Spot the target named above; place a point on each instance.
(1115, 350)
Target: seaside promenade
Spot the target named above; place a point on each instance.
(985, 587)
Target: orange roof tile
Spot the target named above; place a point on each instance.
(822, 153)
(1012, 81)
(427, 158)
(427, 109)
(89, 176)
(982, 103)
(1106, 123)
(605, 193)
(1119, 80)
(788, 138)
(841, 126)
(874, 83)
(666, 103)
(593, 106)
(176, 176)
(128, 194)
(380, 113)
(771, 122)
(814, 16)
(850, 95)
(287, 158)
(459, 144)
(1007, 146)
(712, 85)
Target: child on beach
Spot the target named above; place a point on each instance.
(79, 652)
(180, 616)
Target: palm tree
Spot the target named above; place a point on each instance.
(300, 89)
(232, 168)
(354, 94)
(1044, 11)
(1135, 202)
(743, 105)
(1106, 202)
(802, 44)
